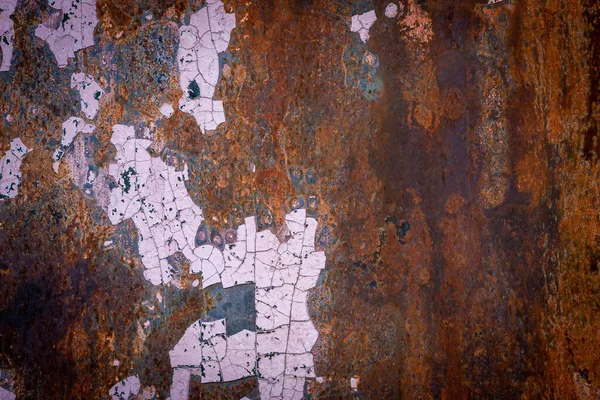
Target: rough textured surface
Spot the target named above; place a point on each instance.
(451, 161)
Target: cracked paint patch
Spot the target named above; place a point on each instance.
(200, 43)
(154, 196)
(7, 32)
(10, 165)
(362, 23)
(70, 129)
(69, 29)
(6, 394)
(278, 352)
(125, 388)
(206, 351)
(89, 93)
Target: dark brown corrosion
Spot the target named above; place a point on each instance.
(455, 184)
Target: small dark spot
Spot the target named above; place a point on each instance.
(585, 374)
(65, 18)
(193, 90)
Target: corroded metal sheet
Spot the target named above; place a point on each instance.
(299, 199)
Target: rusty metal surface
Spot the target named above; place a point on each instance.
(455, 182)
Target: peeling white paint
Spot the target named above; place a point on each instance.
(167, 110)
(391, 11)
(279, 351)
(6, 394)
(354, 381)
(125, 388)
(154, 196)
(7, 32)
(70, 129)
(10, 169)
(200, 43)
(89, 93)
(362, 23)
(206, 351)
(69, 29)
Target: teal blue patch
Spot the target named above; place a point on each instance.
(125, 181)
(361, 75)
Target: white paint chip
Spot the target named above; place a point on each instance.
(6, 394)
(10, 169)
(200, 43)
(391, 11)
(154, 196)
(7, 32)
(89, 92)
(279, 351)
(125, 388)
(69, 29)
(167, 110)
(362, 23)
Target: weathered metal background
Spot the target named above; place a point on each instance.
(455, 181)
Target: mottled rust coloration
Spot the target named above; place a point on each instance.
(456, 186)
